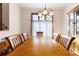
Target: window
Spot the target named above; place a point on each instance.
(41, 24)
(71, 24)
(77, 28)
(41, 17)
(74, 23)
(35, 17)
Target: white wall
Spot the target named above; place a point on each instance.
(26, 17)
(26, 21)
(14, 21)
(58, 18)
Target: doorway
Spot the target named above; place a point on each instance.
(41, 24)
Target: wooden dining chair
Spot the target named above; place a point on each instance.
(14, 41)
(71, 42)
(54, 36)
(22, 38)
(25, 35)
(66, 41)
(58, 38)
(61, 40)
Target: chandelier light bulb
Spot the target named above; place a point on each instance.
(45, 12)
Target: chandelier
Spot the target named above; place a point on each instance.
(45, 12)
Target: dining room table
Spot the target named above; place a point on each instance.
(40, 47)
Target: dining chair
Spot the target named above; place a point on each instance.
(14, 41)
(54, 36)
(66, 41)
(22, 38)
(58, 38)
(25, 35)
(71, 42)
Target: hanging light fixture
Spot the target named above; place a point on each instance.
(45, 12)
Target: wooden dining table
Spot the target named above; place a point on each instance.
(45, 47)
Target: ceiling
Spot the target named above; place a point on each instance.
(42, 5)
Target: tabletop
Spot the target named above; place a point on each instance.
(40, 48)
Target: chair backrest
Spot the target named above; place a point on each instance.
(22, 38)
(72, 39)
(61, 40)
(66, 41)
(25, 35)
(14, 41)
(58, 38)
(55, 36)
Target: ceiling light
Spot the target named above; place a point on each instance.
(46, 12)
